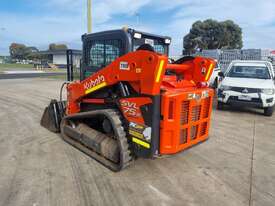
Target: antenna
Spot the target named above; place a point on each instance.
(137, 18)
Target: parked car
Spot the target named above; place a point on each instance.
(214, 79)
(248, 83)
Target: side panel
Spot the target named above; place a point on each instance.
(143, 121)
(131, 108)
(186, 119)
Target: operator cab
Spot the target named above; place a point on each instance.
(102, 48)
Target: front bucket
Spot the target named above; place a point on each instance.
(53, 115)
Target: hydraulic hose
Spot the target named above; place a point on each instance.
(61, 90)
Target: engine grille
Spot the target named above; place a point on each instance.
(196, 113)
(183, 136)
(184, 112)
(198, 118)
(234, 98)
(245, 90)
(185, 121)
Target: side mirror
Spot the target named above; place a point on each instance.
(221, 74)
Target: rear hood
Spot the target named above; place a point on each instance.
(248, 83)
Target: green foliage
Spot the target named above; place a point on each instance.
(211, 34)
(21, 51)
(55, 47)
(232, 35)
(17, 51)
(12, 67)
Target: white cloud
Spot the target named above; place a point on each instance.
(255, 18)
(65, 20)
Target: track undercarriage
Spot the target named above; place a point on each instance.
(99, 134)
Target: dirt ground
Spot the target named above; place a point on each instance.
(236, 166)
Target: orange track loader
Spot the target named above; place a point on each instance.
(131, 100)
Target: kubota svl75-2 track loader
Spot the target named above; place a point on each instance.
(130, 101)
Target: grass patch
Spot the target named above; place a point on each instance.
(26, 67)
(10, 67)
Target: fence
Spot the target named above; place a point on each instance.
(225, 57)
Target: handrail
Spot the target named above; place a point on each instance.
(181, 67)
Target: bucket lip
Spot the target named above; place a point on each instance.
(53, 115)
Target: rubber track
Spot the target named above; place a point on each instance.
(120, 134)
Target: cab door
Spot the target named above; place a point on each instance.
(98, 52)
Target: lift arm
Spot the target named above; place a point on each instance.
(143, 70)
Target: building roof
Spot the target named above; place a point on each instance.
(60, 52)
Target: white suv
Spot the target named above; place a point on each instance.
(214, 79)
(248, 83)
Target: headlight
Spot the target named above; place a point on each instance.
(225, 87)
(137, 35)
(167, 41)
(268, 91)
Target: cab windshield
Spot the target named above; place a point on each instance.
(253, 72)
(158, 44)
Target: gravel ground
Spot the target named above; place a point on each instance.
(236, 166)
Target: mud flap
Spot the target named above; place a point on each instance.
(53, 115)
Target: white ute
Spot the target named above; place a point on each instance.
(214, 79)
(248, 83)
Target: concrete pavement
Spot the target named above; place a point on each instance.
(236, 166)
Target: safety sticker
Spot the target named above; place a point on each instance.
(140, 131)
(140, 142)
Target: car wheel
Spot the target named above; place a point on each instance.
(220, 105)
(268, 111)
(215, 84)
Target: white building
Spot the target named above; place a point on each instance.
(59, 57)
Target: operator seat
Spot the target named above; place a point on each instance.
(146, 47)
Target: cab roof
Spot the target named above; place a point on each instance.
(124, 31)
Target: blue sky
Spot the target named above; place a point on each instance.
(41, 22)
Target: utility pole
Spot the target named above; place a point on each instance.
(89, 16)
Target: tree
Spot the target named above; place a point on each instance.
(211, 34)
(21, 51)
(55, 47)
(233, 35)
(32, 53)
(17, 51)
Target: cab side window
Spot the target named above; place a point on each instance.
(113, 49)
(103, 52)
(96, 59)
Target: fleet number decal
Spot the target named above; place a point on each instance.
(124, 66)
(94, 84)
